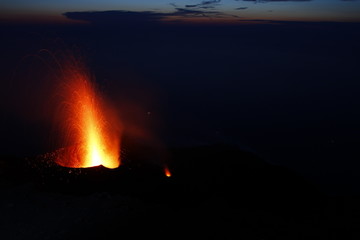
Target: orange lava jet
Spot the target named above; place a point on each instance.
(167, 172)
(89, 126)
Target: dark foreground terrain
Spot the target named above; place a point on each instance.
(216, 192)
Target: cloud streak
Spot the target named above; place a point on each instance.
(120, 17)
(265, 1)
(210, 4)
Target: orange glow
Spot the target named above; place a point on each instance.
(88, 125)
(167, 172)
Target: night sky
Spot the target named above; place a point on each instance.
(236, 10)
(276, 78)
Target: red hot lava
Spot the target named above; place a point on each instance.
(89, 126)
(167, 172)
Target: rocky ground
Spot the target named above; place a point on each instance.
(216, 192)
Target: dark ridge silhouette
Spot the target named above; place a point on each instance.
(198, 174)
(215, 190)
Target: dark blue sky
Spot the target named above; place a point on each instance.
(296, 10)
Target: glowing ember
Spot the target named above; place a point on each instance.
(88, 124)
(167, 172)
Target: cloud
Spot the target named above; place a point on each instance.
(190, 12)
(241, 8)
(205, 4)
(265, 1)
(115, 17)
(119, 17)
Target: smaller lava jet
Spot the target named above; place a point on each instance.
(89, 128)
(167, 172)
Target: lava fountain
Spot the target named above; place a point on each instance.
(167, 171)
(88, 125)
